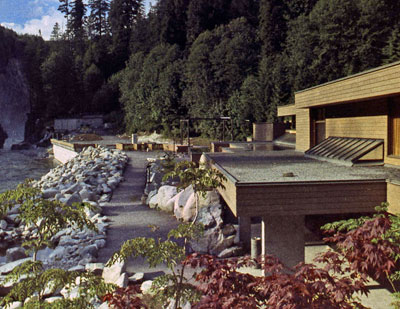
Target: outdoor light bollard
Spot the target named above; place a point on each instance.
(134, 139)
(255, 249)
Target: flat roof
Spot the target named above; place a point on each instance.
(269, 167)
(351, 76)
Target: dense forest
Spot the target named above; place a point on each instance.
(199, 58)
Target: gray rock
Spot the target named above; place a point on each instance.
(67, 240)
(79, 268)
(74, 198)
(162, 199)
(122, 281)
(3, 224)
(113, 183)
(136, 278)
(58, 253)
(111, 274)
(14, 210)
(146, 286)
(50, 193)
(7, 268)
(104, 306)
(96, 268)
(100, 243)
(14, 254)
(85, 194)
(106, 189)
(206, 218)
(70, 293)
(53, 299)
(228, 230)
(222, 244)
(150, 195)
(229, 252)
(15, 304)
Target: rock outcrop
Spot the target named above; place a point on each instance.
(14, 102)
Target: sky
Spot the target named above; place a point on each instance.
(30, 16)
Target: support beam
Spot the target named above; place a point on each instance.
(245, 232)
(283, 237)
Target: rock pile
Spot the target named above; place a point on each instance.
(90, 177)
(219, 239)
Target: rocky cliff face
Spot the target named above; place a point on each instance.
(14, 102)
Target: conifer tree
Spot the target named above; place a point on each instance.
(122, 18)
(392, 49)
(272, 28)
(98, 16)
(55, 34)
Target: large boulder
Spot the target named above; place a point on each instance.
(213, 242)
(113, 273)
(163, 199)
(7, 268)
(189, 210)
(180, 201)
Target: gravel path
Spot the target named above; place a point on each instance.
(130, 218)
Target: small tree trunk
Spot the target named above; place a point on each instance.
(196, 200)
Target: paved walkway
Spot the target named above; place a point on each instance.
(130, 218)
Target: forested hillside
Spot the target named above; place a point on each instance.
(201, 58)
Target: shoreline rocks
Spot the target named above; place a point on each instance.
(89, 177)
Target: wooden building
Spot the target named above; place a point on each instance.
(353, 121)
(364, 105)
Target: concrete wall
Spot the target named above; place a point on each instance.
(75, 123)
(63, 154)
(267, 131)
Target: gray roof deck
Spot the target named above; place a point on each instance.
(270, 167)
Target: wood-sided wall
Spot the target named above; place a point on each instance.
(356, 106)
(378, 82)
(303, 128)
(307, 199)
(393, 196)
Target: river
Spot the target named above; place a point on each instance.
(16, 166)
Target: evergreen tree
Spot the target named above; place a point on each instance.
(65, 8)
(391, 51)
(245, 8)
(217, 65)
(172, 20)
(205, 15)
(122, 18)
(334, 22)
(151, 89)
(56, 33)
(374, 26)
(76, 22)
(61, 84)
(98, 17)
(272, 26)
(295, 8)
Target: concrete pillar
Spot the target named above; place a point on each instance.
(245, 232)
(283, 237)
